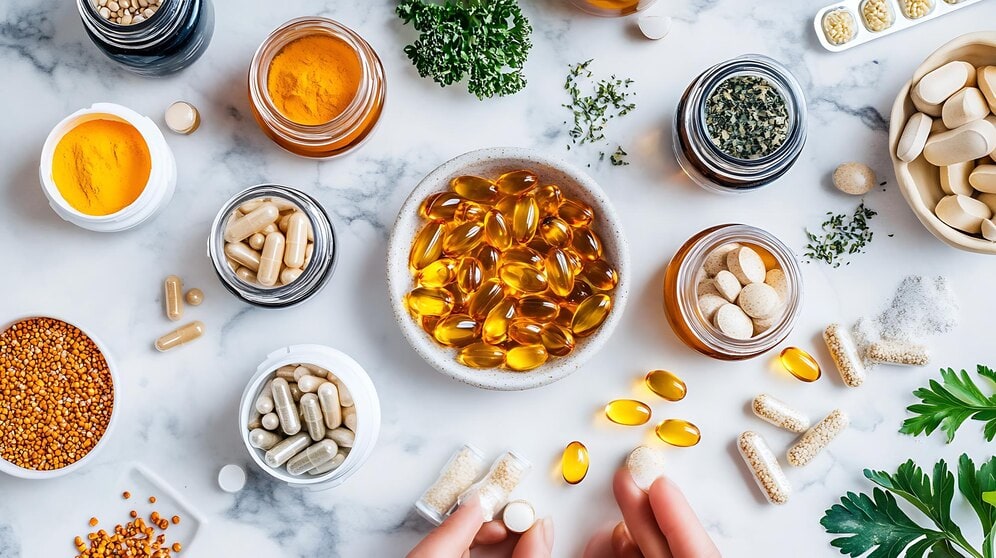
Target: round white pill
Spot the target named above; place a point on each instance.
(858, 179)
(231, 478)
(727, 285)
(518, 516)
(759, 300)
(706, 286)
(716, 260)
(645, 464)
(655, 27)
(182, 117)
(709, 303)
(732, 321)
(776, 278)
(746, 265)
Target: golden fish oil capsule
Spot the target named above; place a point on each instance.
(496, 230)
(485, 298)
(427, 301)
(297, 239)
(441, 206)
(666, 384)
(559, 274)
(576, 213)
(255, 221)
(459, 298)
(489, 258)
(456, 330)
(600, 275)
(525, 332)
(427, 247)
(525, 357)
(565, 317)
(548, 199)
(537, 308)
(800, 364)
(590, 314)
(481, 355)
(556, 232)
(469, 211)
(439, 273)
(475, 188)
(462, 239)
(581, 292)
(495, 328)
(577, 264)
(429, 323)
(525, 219)
(678, 432)
(469, 275)
(179, 336)
(173, 295)
(557, 339)
(628, 412)
(242, 255)
(574, 462)
(517, 182)
(523, 277)
(523, 255)
(270, 259)
(587, 244)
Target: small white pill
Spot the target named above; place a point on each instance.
(732, 321)
(231, 478)
(983, 179)
(939, 84)
(727, 285)
(182, 118)
(518, 516)
(645, 464)
(963, 213)
(716, 260)
(759, 300)
(914, 137)
(655, 27)
(746, 265)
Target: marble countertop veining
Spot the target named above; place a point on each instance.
(178, 409)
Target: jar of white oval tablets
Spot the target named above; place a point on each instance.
(733, 292)
(273, 246)
(310, 416)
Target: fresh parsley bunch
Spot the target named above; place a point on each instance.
(876, 523)
(484, 40)
(949, 403)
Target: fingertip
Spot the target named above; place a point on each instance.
(537, 542)
(492, 532)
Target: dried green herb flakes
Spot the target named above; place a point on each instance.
(746, 117)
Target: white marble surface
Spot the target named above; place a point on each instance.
(178, 409)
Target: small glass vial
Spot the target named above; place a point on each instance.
(315, 274)
(464, 468)
(349, 128)
(699, 156)
(167, 42)
(612, 8)
(681, 297)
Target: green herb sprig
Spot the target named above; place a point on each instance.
(949, 403)
(841, 236)
(486, 41)
(876, 523)
(595, 102)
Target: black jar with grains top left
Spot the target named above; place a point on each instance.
(167, 41)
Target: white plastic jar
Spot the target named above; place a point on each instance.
(365, 400)
(158, 190)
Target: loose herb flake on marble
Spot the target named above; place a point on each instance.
(840, 236)
(746, 117)
(949, 403)
(594, 103)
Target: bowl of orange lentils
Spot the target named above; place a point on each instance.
(58, 391)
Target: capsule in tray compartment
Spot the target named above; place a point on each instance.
(837, 26)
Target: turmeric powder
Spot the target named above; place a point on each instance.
(313, 79)
(101, 166)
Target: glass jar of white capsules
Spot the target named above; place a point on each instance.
(695, 142)
(273, 246)
(357, 424)
(692, 300)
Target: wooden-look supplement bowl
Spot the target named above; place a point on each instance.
(919, 181)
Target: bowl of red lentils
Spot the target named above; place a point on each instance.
(58, 392)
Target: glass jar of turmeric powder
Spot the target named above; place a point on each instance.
(316, 88)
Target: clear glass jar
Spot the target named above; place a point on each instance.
(315, 274)
(612, 8)
(344, 132)
(169, 41)
(682, 276)
(713, 169)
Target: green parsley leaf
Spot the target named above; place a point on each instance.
(841, 236)
(948, 404)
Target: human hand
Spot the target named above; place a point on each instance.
(658, 523)
(466, 529)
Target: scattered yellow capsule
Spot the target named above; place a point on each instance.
(800, 364)
(667, 385)
(525, 357)
(427, 247)
(590, 314)
(628, 412)
(481, 355)
(678, 432)
(574, 462)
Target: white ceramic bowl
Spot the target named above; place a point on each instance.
(492, 162)
(17, 471)
(919, 181)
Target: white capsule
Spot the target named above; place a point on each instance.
(342, 436)
(331, 464)
(328, 398)
(264, 401)
(270, 421)
(263, 439)
(316, 455)
(764, 467)
(283, 404)
(287, 373)
(349, 417)
(301, 372)
(312, 414)
(255, 419)
(844, 354)
(310, 384)
(288, 448)
(817, 438)
(898, 352)
(345, 398)
(776, 412)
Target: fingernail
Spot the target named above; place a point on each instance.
(548, 532)
(645, 464)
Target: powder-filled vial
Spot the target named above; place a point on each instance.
(574, 462)
(678, 432)
(666, 384)
(495, 488)
(817, 438)
(460, 472)
(628, 412)
(312, 79)
(800, 364)
(178, 337)
(764, 467)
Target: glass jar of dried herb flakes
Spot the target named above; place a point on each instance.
(740, 125)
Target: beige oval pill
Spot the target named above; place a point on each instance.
(243, 255)
(759, 300)
(983, 178)
(963, 213)
(914, 137)
(963, 107)
(732, 321)
(965, 143)
(297, 239)
(289, 274)
(986, 80)
(254, 222)
(716, 260)
(709, 303)
(954, 178)
(939, 84)
(246, 274)
(179, 336)
(727, 285)
(746, 265)
(269, 261)
(989, 200)
(173, 295)
(930, 109)
(989, 230)
(776, 278)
